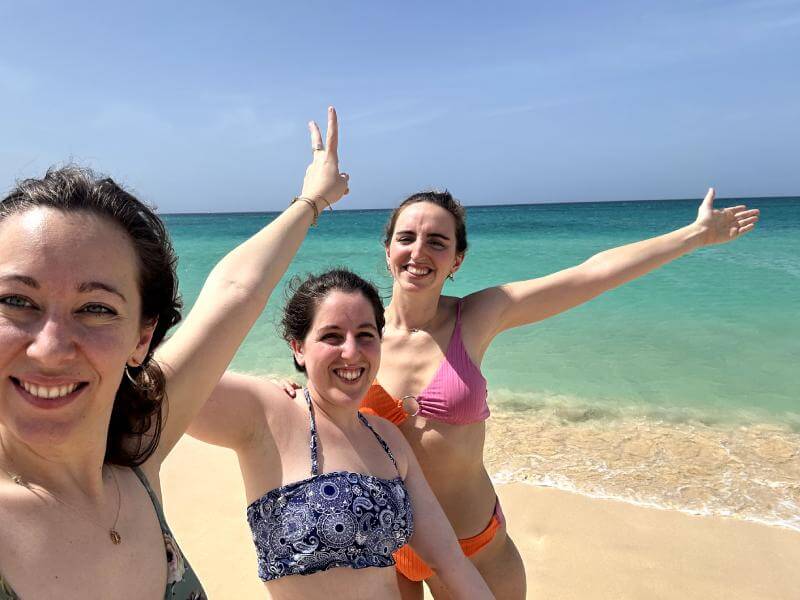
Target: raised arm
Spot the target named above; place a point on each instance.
(494, 310)
(237, 290)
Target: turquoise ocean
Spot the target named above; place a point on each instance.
(679, 390)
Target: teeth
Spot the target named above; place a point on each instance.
(48, 391)
(417, 270)
(349, 374)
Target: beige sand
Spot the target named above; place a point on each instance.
(573, 546)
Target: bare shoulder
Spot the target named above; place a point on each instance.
(394, 439)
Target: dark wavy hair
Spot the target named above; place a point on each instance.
(306, 294)
(137, 416)
(444, 200)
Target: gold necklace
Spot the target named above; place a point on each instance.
(116, 538)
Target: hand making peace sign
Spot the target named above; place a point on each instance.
(323, 183)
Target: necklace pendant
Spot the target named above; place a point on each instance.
(116, 539)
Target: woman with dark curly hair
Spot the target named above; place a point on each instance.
(91, 400)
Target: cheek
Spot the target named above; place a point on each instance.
(11, 340)
(107, 347)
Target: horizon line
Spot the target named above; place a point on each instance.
(468, 206)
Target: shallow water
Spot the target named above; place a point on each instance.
(677, 390)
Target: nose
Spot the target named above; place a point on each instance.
(53, 343)
(350, 349)
(416, 248)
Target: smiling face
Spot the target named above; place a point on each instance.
(422, 250)
(342, 350)
(69, 322)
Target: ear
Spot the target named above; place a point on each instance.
(386, 249)
(297, 350)
(457, 263)
(143, 344)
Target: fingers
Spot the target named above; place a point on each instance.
(332, 141)
(743, 214)
(746, 228)
(747, 221)
(708, 201)
(346, 178)
(316, 136)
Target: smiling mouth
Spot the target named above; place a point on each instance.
(49, 392)
(418, 271)
(350, 374)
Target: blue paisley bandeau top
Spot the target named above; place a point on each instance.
(338, 519)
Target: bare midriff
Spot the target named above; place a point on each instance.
(451, 457)
(343, 582)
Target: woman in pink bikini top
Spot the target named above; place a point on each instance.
(429, 382)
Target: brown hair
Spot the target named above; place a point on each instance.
(443, 199)
(136, 418)
(300, 309)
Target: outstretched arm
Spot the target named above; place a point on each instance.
(237, 290)
(514, 304)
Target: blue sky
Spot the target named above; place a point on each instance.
(203, 106)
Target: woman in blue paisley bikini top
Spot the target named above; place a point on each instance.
(339, 519)
(331, 535)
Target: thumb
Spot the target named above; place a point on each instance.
(708, 201)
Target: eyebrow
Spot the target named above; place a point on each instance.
(91, 286)
(23, 279)
(88, 286)
(436, 235)
(366, 325)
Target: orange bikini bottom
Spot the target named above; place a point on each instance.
(412, 567)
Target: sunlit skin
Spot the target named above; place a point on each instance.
(422, 250)
(420, 323)
(343, 340)
(270, 433)
(70, 321)
(69, 315)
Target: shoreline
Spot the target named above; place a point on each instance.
(570, 542)
(749, 473)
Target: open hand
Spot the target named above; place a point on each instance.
(726, 224)
(323, 183)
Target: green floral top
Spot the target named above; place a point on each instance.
(182, 583)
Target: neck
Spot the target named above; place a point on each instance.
(412, 310)
(344, 417)
(76, 473)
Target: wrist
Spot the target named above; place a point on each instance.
(695, 235)
(309, 204)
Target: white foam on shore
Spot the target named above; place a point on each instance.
(747, 472)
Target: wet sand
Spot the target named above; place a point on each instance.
(573, 546)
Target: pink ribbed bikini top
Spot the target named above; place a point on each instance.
(457, 393)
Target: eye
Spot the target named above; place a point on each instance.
(331, 337)
(436, 244)
(16, 302)
(97, 309)
(405, 239)
(367, 335)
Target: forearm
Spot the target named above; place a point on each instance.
(616, 266)
(463, 581)
(247, 275)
